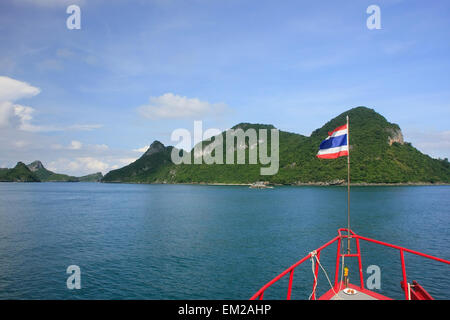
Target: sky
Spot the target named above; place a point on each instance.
(93, 99)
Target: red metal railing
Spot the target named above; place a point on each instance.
(260, 293)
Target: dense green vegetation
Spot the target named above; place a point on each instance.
(20, 173)
(45, 175)
(378, 155)
(94, 177)
(36, 172)
(151, 167)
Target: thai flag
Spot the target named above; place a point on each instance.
(336, 145)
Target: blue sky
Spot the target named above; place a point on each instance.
(88, 100)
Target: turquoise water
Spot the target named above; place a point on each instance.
(208, 242)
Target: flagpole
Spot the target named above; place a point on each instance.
(348, 187)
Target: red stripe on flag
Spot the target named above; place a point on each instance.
(337, 129)
(333, 155)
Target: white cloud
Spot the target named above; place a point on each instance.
(92, 164)
(169, 106)
(23, 112)
(434, 143)
(12, 90)
(19, 116)
(75, 127)
(82, 127)
(21, 143)
(83, 165)
(6, 113)
(100, 147)
(143, 149)
(75, 145)
(16, 115)
(20, 138)
(126, 161)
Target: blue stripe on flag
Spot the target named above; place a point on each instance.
(334, 142)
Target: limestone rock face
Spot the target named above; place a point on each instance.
(35, 166)
(155, 147)
(395, 135)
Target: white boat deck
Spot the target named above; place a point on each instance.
(358, 294)
(341, 295)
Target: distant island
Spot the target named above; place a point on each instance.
(379, 155)
(36, 172)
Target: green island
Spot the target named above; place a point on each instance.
(378, 156)
(36, 172)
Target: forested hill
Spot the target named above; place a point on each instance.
(45, 175)
(36, 172)
(20, 173)
(378, 155)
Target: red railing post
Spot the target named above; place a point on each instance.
(316, 274)
(361, 278)
(291, 277)
(338, 256)
(405, 281)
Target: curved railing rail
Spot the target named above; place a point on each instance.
(260, 293)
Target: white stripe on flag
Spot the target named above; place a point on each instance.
(332, 150)
(338, 133)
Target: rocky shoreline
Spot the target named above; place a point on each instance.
(300, 184)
